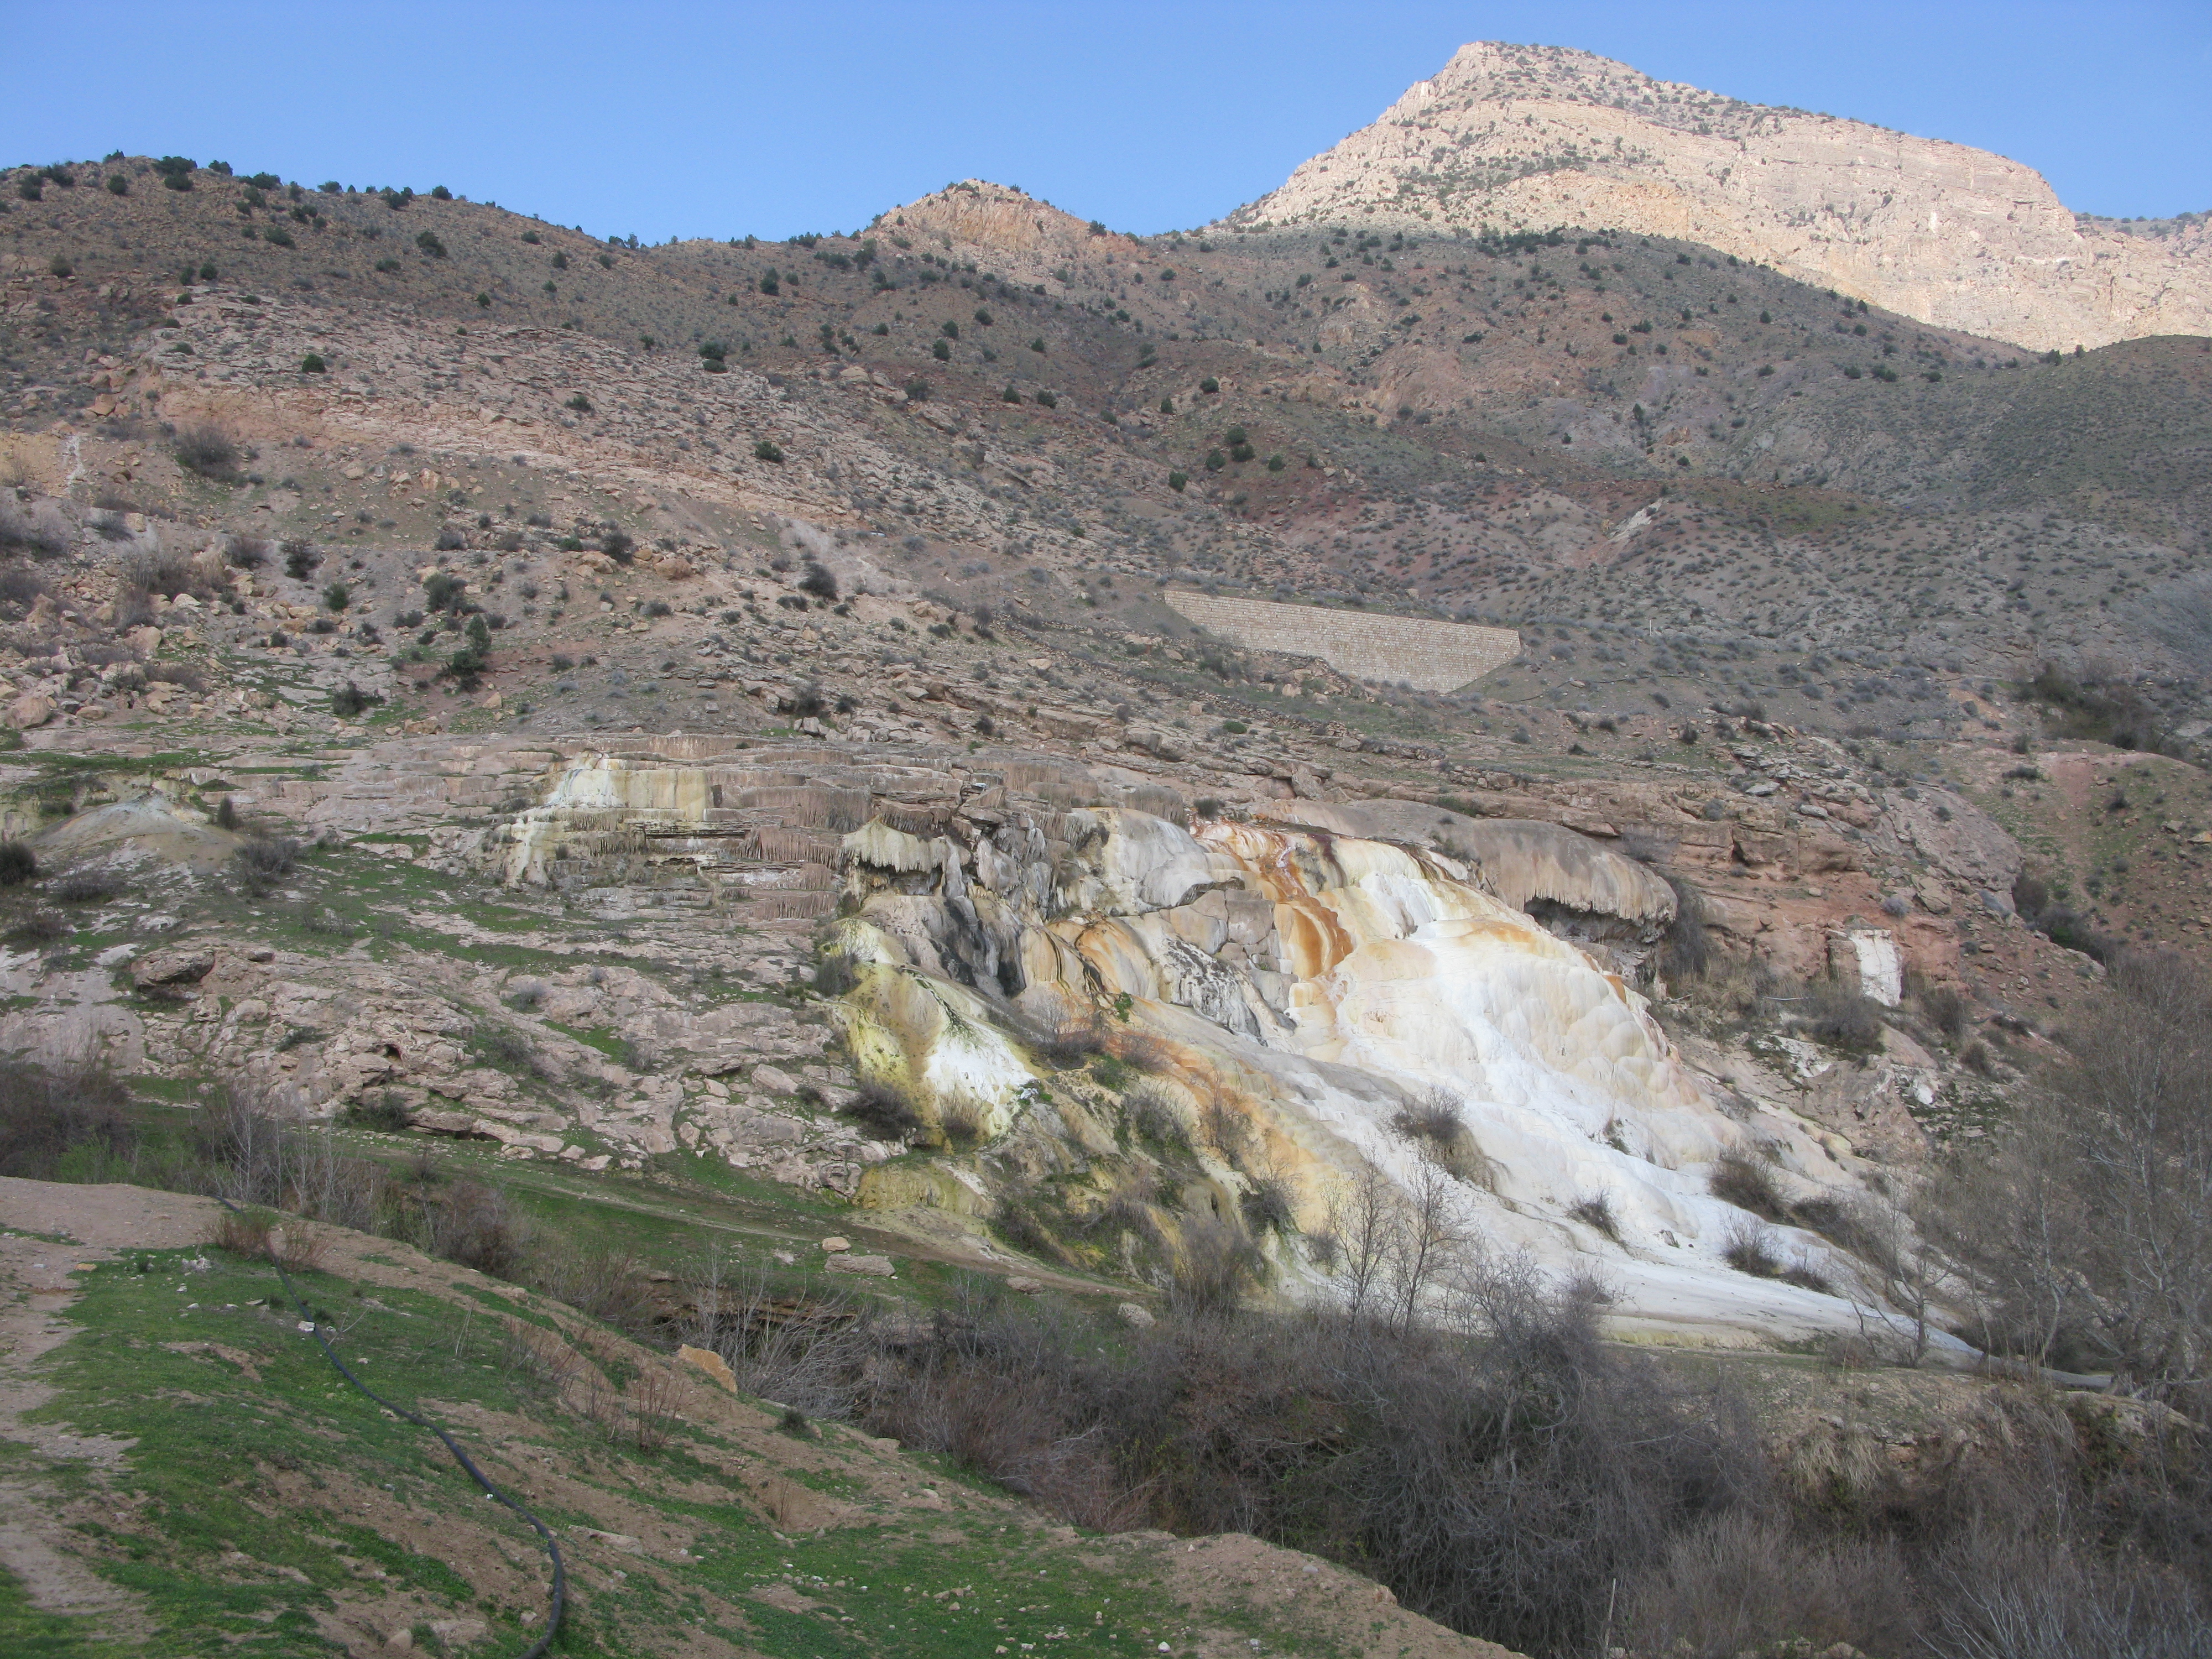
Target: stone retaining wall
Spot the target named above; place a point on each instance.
(1430, 656)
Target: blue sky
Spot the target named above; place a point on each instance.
(676, 119)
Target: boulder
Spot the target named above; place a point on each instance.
(709, 1364)
(172, 969)
(32, 709)
(873, 1267)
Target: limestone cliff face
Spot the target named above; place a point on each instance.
(1518, 137)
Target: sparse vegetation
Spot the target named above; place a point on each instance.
(207, 451)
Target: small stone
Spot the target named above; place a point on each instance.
(834, 1244)
(1135, 1316)
(775, 1081)
(1024, 1285)
(874, 1266)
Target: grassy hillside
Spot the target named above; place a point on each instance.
(263, 1506)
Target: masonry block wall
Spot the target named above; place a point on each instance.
(1430, 656)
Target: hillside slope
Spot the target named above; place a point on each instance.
(238, 1496)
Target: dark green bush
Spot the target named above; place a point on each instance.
(18, 864)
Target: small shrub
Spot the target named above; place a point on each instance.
(883, 1110)
(349, 700)
(820, 583)
(337, 596)
(89, 887)
(43, 927)
(18, 864)
(1594, 1211)
(765, 450)
(1750, 1249)
(961, 1125)
(1071, 1043)
(207, 451)
(43, 535)
(245, 552)
(1945, 1010)
(242, 1232)
(505, 1047)
(470, 1223)
(387, 1112)
(1842, 1019)
(1748, 1184)
(300, 559)
(1267, 1205)
(266, 860)
(1807, 1277)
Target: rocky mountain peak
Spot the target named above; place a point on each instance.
(977, 213)
(1510, 137)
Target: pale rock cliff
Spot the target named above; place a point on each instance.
(1529, 137)
(1310, 987)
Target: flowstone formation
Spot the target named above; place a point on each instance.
(1285, 1012)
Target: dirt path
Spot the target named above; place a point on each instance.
(37, 1289)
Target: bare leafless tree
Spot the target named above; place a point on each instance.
(1364, 1219)
(2085, 1235)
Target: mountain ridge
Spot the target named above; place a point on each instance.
(1521, 138)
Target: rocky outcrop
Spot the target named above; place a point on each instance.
(1512, 137)
(1294, 995)
(984, 214)
(1426, 654)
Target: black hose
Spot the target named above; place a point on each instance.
(314, 1329)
